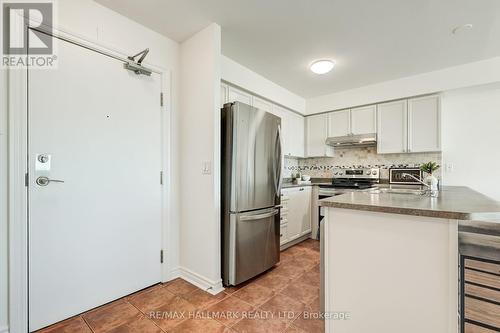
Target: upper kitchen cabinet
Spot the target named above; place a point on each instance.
(424, 120)
(295, 135)
(292, 131)
(409, 126)
(339, 123)
(392, 125)
(316, 134)
(292, 124)
(364, 120)
(353, 122)
(261, 104)
(237, 95)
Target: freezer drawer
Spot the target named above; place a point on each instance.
(252, 244)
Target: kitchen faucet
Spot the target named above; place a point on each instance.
(431, 191)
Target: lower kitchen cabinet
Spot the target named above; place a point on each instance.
(283, 235)
(296, 213)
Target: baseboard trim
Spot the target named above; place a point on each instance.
(4, 329)
(175, 273)
(212, 287)
(295, 241)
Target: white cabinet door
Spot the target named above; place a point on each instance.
(424, 131)
(283, 114)
(392, 125)
(292, 131)
(237, 95)
(299, 211)
(316, 133)
(295, 134)
(305, 201)
(283, 234)
(223, 94)
(339, 123)
(364, 120)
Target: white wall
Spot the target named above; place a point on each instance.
(3, 204)
(245, 78)
(476, 73)
(92, 21)
(471, 138)
(200, 142)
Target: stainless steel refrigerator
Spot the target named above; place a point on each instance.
(251, 181)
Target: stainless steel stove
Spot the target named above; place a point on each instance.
(350, 179)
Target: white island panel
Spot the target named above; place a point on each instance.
(391, 273)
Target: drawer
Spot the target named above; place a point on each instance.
(482, 312)
(471, 328)
(283, 238)
(489, 294)
(485, 279)
(284, 197)
(483, 266)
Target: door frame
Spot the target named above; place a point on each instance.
(17, 111)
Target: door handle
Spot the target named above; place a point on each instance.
(259, 216)
(44, 181)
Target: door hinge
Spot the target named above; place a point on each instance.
(161, 99)
(161, 177)
(161, 256)
(26, 179)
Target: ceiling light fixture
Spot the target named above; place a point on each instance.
(461, 28)
(322, 66)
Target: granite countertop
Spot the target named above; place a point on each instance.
(454, 202)
(314, 182)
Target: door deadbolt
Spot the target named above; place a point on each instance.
(42, 158)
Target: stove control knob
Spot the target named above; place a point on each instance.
(341, 173)
(374, 172)
(335, 173)
(368, 172)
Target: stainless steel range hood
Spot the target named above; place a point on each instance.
(362, 140)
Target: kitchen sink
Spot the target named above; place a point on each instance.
(399, 191)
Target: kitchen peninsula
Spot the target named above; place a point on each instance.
(392, 258)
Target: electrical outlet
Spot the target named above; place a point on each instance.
(207, 168)
(449, 167)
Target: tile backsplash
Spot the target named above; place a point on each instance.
(356, 157)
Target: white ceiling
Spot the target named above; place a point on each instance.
(371, 41)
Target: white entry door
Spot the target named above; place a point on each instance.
(96, 236)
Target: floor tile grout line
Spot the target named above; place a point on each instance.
(145, 315)
(300, 251)
(86, 323)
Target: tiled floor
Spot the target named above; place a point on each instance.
(281, 300)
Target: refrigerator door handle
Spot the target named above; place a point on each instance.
(277, 171)
(259, 216)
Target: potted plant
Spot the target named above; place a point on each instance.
(430, 180)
